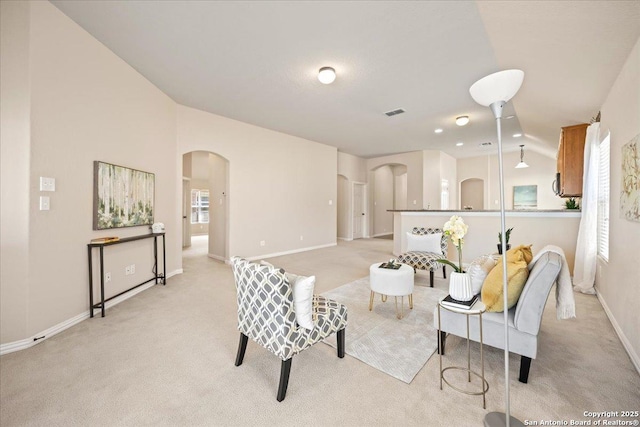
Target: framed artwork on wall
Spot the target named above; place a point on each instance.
(122, 197)
(525, 197)
(630, 194)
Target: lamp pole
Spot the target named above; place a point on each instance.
(494, 91)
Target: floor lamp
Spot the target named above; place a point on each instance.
(494, 91)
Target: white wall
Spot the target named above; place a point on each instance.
(344, 207)
(218, 206)
(14, 181)
(352, 169)
(280, 186)
(617, 279)
(383, 186)
(85, 104)
(449, 171)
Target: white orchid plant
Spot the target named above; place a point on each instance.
(455, 229)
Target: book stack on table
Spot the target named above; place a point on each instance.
(465, 305)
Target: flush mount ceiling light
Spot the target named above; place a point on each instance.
(462, 120)
(438, 130)
(326, 75)
(522, 164)
(517, 135)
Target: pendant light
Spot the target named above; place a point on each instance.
(522, 164)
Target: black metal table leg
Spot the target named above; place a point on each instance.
(90, 283)
(164, 260)
(101, 279)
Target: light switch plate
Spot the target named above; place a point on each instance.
(44, 203)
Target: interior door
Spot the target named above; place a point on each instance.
(358, 211)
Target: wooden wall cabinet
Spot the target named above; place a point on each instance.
(571, 160)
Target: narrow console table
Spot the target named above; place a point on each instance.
(157, 277)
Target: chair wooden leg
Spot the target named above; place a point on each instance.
(442, 336)
(444, 271)
(242, 347)
(340, 338)
(285, 370)
(431, 278)
(525, 365)
(371, 300)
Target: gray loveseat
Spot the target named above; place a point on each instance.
(524, 318)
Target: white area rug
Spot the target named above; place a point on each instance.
(399, 348)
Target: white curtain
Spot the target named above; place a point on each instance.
(584, 269)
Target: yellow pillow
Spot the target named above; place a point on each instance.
(517, 274)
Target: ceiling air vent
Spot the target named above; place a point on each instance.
(486, 144)
(394, 112)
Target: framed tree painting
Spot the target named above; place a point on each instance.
(525, 197)
(122, 197)
(630, 194)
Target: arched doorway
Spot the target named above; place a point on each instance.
(472, 194)
(205, 204)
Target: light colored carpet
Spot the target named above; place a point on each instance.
(399, 348)
(166, 358)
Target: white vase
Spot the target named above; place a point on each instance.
(460, 286)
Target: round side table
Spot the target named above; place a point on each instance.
(476, 310)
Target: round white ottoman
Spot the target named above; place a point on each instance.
(396, 283)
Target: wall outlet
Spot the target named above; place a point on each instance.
(133, 269)
(127, 270)
(107, 277)
(330, 202)
(301, 238)
(262, 243)
(47, 184)
(415, 202)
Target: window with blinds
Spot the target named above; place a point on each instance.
(603, 198)
(199, 206)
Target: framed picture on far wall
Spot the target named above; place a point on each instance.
(525, 197)
(122, 197)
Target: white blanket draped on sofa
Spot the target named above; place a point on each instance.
(565, 303)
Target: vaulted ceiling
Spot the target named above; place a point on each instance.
(257, 62)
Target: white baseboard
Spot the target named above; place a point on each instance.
(66, 324)
(218, 257)
(295, 251)
(623, 338)
(346, 239)
(382, 234)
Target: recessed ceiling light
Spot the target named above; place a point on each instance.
(459, 144)
(462, 120)
(509, 117)
(326, 75)
(517, 135)
(438, 130)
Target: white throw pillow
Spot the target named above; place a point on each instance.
(478, 270)
(303, 299)
(302, 288)
(425, 243)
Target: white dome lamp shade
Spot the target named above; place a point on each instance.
(326, 75)
(498, 88)
(494, 91)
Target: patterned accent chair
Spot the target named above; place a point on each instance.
(266, 315)
(426, 260)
